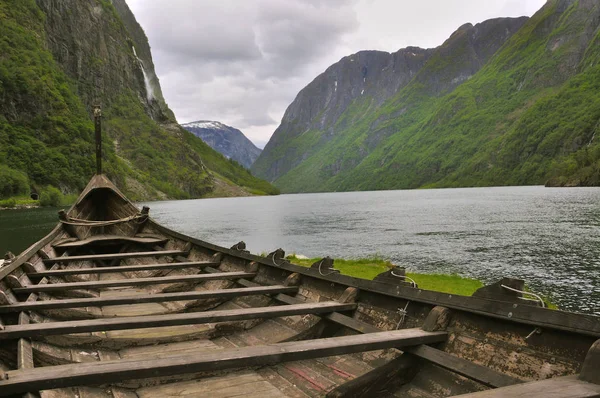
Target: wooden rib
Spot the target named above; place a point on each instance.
(389, 377)
(54, 287)
(152, 321)
(146, 298)
(481, 374)
(116, 371)
(563, 387)
(114, 256)
(25, 353)
(24, 350)
(121, 268)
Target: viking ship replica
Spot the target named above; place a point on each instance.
(112, 304)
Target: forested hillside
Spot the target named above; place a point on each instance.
(58, 59)
(477, 113)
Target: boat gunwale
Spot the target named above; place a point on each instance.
(507, 311)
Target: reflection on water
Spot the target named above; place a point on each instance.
(21, 228)
(549, 237)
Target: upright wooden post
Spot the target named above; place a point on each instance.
(98, 125)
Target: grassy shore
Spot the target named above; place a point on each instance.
(23, 202)
(369, 268)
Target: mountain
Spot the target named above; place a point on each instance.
(226, 140)
(59, 58)
(504, 102)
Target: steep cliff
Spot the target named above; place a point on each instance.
(226, 140)
(61, 57)
(336, 123)
(504, 102)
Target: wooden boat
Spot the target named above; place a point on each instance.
(112, 304)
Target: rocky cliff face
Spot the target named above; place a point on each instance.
(100, 45)
(61, 57)
(226, 140)
(372, 78)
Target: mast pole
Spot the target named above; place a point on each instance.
(98, 125)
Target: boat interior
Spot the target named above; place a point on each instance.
(112, 304)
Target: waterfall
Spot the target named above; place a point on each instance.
(149, 89)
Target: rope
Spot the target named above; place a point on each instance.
(412, 281)
(333, 270)
(538, 297)
(87, 223)
(403, 314)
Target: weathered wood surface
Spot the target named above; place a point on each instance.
(110, 238)
(238, 384)
(147, 298)
(558, 387)
(114, 256)
(115, 371)
(56, 287)
(379, 381)
(121, 268)
(140, 322)
(463, 367)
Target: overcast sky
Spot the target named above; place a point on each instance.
(242, 62)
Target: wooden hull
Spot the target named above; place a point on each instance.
(129, 308)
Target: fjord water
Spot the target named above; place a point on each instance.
(548, 237)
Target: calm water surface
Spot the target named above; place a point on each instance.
(549, 237)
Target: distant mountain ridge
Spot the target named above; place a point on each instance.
(509, 101)
(226, 140)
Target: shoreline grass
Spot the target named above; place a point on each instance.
(369, 268)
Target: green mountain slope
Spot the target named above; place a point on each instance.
(530, 114)
(59, 59)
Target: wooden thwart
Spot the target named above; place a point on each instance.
(110, 238)
(55, 287)
(122, 268)
(152, 321)
(146, 298)
(563, 387)
(116, 371)
(114, 256)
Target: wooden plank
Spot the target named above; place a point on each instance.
(122, 268)
(110, 238)
(54, 287)
(146, 298)
(114, 256)
(152, 321)
(559, 387)
(463, 367)
(117, 371)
